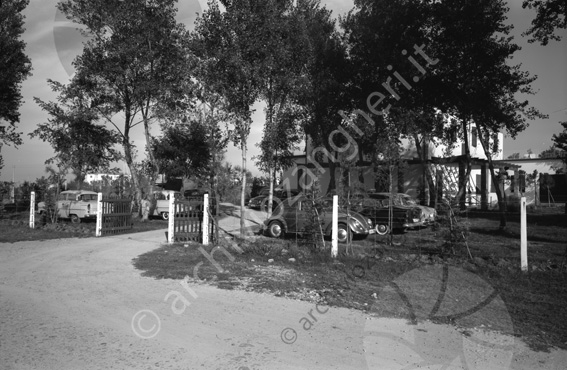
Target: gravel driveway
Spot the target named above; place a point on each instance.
(80, 304)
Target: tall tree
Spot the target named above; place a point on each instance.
(460, 61)
(136, 63)
(324, 93)
(72, 130)
(551, 16)
(283, 75)
(15, 66)
(233, 44)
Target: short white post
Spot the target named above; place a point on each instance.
(99, 215)
(206, 219)
(523, 235)
(32, 210)
(171, 220)
(335, 228)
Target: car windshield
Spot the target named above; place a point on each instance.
(88, 197)
(265, 192)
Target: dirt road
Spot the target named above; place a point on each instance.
(80, 304)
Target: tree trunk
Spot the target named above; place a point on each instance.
(243, 191)
(463, 182)
(332, 179)
(429, 184)
(495, 180)
(134, 173)
(271, 192)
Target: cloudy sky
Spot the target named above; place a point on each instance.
(52, 43)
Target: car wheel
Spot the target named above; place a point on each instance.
(382, 229)
(165, 215)
(344, 234)
(275, 229)
(75, 219)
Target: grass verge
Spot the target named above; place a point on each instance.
(530, 305)
(16, 229)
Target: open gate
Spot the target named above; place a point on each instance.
(187, 220)
(114, 216)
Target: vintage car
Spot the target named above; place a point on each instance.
(378, 210)
(160, 202)
(292, 215)
(428, 214)
(261, 201)
(76, 205)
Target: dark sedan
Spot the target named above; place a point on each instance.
(378, 210)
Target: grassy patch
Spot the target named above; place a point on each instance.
(16, 228)
(373, 275)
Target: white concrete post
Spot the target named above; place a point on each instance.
(335, 228)
(523, 235)
(171, 220)
(99, 215)
(32, 210)
(206, 219)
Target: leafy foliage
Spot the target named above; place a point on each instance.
(78, 141)
(551, 16)
(183, 150)
(15, 66)
(136, 62)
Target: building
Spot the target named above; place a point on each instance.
(439, 165)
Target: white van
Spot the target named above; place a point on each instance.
(75, 204)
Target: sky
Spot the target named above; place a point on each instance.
(53, 42)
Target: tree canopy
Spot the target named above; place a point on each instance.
(551, 16)
(73, 130)
(15, 67)
(135, 67)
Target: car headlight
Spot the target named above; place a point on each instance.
(369, 223)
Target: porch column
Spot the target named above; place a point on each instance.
(484, 187)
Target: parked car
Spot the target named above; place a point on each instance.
(261, 201)
(428, 214)
(76, 205)
(18, 206)
(378, 211)
(292, 215)
(161, 202)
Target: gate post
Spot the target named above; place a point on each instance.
(206, 219)
(99, 215)
(171, 220)
(32, 210)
